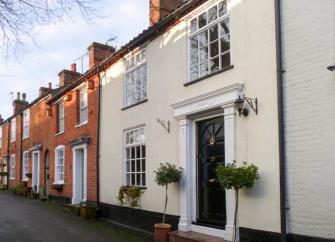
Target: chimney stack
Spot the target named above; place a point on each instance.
(98, 52)
(18, 104)
(1, 119)
(161, 8)
(50, 85)
(68, 76)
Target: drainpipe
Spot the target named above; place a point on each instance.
(281, 130)
(21, 136)
(98, 137)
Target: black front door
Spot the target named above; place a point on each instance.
(211, 153)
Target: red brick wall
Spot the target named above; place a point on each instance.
(43, 131)
(72, 133)
(15, 149)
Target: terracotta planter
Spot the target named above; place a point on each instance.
(162, 232)
(88, 212)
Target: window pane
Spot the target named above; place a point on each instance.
(194, 58)
(193, 26)
(214, 49)
(204, 68)
(133, 166)
(133, 179)
(225, 44)
(143, 151)
(128, 166)
(138, 152)
(128, 179)
(212, 14)
(203, 38)
(215, 64)
(222, 8)
(194, 73)
(143, 165)
(133, 152)
(143, 179)
(213, 33)
(202, 20)
(224, 27)
(225, 60)
(204, 54)
(138, 165)
(138, 179)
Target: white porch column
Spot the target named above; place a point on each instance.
(229, 122)
(185, 220)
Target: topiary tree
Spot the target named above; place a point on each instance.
(167, 174)
(232, 177)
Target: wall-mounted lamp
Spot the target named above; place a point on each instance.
(240, 107)
(331, 68)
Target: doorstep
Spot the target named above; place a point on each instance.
(180, 236)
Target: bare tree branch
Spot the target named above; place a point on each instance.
(19, 19)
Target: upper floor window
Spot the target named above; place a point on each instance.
(209, 40)
(59, 164)
(0, 137)
(60, 117)
(83, 106)
(26, 119)
(25, 165)
(135, 157)
(13, 130)
(135, 84)
(12, 167)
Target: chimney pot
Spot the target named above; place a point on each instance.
(24, 96)
(18, 96)
(73, 67)
(50, 85)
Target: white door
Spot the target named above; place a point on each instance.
(36, 171)
(79, 175)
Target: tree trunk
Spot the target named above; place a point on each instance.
(166, 200)
(235, 215)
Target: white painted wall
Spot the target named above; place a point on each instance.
(309, 47)
(253, 57)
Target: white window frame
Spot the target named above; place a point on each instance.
(26, 122)
(83, 106)
(57, 180)
(134, 142)
(13, 130)
(0, 137)
(12, 163)
(60, 118)
(191, 34)
(135, 65)
(25, 165)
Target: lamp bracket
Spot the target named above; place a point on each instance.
(253, 103)
(165, 124)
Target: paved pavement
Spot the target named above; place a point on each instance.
(27, 220)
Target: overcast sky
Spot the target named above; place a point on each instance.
(59, 46)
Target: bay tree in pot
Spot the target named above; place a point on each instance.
(166, 174)
(236, 177)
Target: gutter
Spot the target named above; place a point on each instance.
(281, 119)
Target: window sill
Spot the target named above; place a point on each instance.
(79, 125)
(58, 183)
(209, 75)
(13, 178)
(135, 104)
(59, 133)
(24, 138)
(25, 180)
